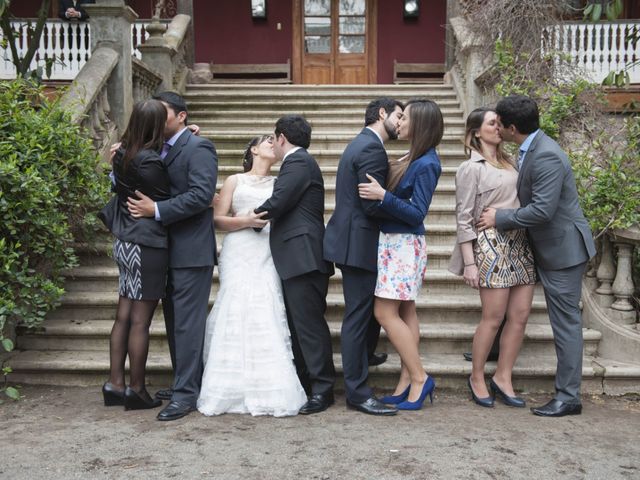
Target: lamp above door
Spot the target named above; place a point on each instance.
(259, 9)
(411, 8)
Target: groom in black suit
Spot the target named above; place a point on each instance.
(296, 211)
(351, 242)
(192, 164)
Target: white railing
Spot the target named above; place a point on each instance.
(599, 48)
(68, 43)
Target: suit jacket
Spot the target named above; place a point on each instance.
(558, 232)
(192, 164)
(296, 210)
(352, 232)
(77, 4)
(146, 173)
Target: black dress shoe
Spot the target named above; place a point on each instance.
(468, 356)
(377, 359)
(556, 408)
(506, 399)
(373, 406)
(174, 411)
(165, 394)
(111, 395)
(139, 400)
(317, 403)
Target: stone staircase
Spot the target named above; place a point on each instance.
(72, 346)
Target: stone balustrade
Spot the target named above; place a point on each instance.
(615, 275)
(88, 101)
(145, 80)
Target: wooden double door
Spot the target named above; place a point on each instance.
(334, 41)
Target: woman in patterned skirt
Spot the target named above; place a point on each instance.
(499, 264)
(402, 249)
(141, 251)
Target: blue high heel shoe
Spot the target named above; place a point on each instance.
(396, 399)
(427, 389)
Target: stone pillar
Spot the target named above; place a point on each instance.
(158, 54)
(111, 27)
(185, 7)
(623, 284)
(606, 273)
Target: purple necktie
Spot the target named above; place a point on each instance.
(165, 149)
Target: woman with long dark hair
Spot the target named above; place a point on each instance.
(141, 251)
(402, 249)
(498, 264)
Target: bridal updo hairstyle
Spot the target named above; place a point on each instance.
(247, 158)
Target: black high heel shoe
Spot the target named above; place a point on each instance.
(483, 402)
(112, 396)
(506, 399)
(139, 401)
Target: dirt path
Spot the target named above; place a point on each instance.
(56, 433)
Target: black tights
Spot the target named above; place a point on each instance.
(130, 335)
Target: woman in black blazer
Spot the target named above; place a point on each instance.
(140, 249)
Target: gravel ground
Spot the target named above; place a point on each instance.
(55, 433)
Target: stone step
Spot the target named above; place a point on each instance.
(449, 156)
(437, 282)
(360, 92)
(322, 116)
(319, 124)
(333, 89)
(329, 174)
(290, 103)
(322, 141)
(453, 308)
(436, 338)
(272, 112)
(532, 373)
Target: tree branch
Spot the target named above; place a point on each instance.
(34, 39)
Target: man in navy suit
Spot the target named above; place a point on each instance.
(351, 242)
(192, 164)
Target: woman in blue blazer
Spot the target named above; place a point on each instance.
(402, 249)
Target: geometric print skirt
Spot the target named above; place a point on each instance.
(504, 259)
(143, 270)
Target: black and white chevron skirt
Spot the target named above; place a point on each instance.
(143, 270)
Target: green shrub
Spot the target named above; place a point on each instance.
(49, 191)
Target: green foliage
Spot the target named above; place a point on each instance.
(560, 102)
(606, 175)
(49, 189)
(608, 187)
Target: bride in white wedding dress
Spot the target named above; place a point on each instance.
(247, 347)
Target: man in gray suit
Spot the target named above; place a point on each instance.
(560, 237)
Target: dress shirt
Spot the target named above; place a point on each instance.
(377, 135)
(171, 142)
(524, 147)
(294, 149)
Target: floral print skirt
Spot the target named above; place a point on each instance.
(402, 263)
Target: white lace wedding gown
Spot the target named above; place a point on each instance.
(247, 347)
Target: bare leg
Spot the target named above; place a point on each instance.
(410, 316)
(402, 337)
(118, 343)
(518, 310)
(141, 314)
(494, 304)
